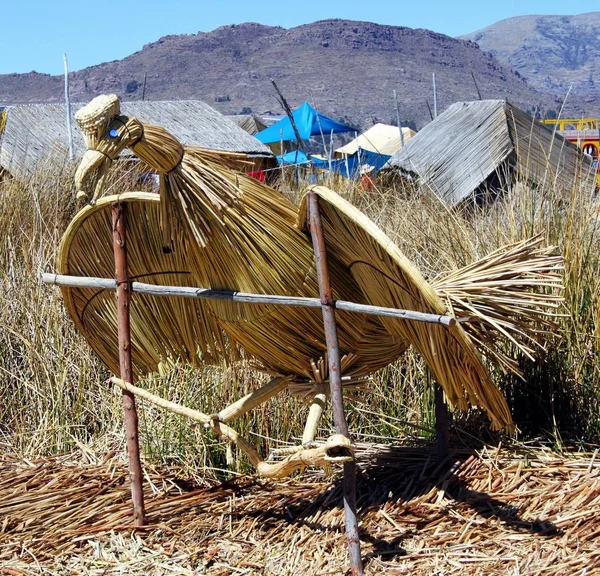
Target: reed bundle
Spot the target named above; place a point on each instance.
(284, 340)
(514, 294)
(528, 508)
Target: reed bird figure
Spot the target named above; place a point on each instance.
(212, 227)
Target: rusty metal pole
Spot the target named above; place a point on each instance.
(335, 379)
(119, 212)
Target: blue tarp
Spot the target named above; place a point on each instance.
(351, 167)
(308, 122)
(293, 157)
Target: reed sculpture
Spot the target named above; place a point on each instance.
(215, 228)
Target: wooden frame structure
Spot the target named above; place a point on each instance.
(337, 449)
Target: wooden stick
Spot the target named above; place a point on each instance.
(246, 298)
(68, 107)
(335, 380)
(119, 212)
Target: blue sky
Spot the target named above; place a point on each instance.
(34, 34)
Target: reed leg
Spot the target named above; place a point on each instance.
(252, 400)
(336, 449)
(314, 416)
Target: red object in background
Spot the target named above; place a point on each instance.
(259, 175)
(366, 183)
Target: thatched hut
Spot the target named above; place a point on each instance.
(475, 147)
(33, 133)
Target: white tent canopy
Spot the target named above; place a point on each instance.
(381, 139)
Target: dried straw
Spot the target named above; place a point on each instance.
(387, 278)
(497, 512)
(284, 340)
(513, 294)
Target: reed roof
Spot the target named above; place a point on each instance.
(248, 122)
(471, 141)
(35, 132)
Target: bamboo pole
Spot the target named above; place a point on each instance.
(335, 380)
(119, 212)
(244, 297)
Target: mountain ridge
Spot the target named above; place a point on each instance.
(346, 69)
(551, 51)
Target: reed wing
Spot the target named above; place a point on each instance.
(388, 278)
(161, 328)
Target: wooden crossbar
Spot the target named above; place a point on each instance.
(243, 297)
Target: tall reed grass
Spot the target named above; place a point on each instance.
(53, 397)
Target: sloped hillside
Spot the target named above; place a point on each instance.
(550, 51)
(346, 69)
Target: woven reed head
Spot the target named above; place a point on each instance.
(106, 133)
(95, 117)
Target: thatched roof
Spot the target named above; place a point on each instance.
(472, 141)
(34, 132)
(248, 122)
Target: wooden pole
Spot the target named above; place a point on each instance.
(442, 442)
(335, 380)
(398, 118)
(68, 106)
(429, 108)
(290, 115)
(281, 152)
(476, 86)
(119, 212)
(434, 97)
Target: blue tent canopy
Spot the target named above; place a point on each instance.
(293, 157)
(351, 166)
(308, 122)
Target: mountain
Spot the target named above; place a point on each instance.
(346, 69)
(551, 52)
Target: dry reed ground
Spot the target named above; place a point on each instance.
(514, 511)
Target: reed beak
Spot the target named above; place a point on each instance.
(91, 174)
